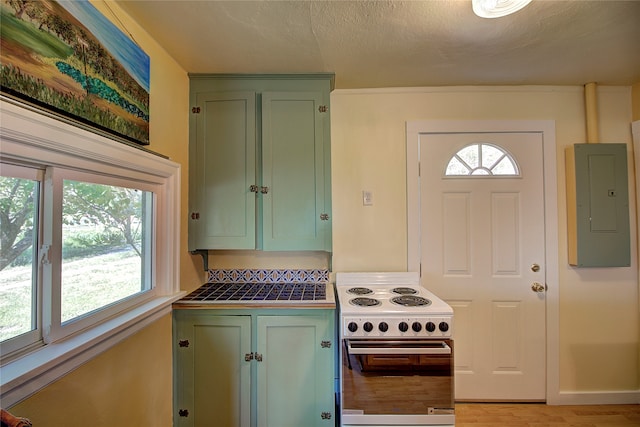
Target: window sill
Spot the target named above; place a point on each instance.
(26, 375)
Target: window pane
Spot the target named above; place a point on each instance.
(105, 245)
(19, 226)
(505, 167)
(456, 167)
(490, 155)
(470, 155)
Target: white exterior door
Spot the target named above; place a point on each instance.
(482, 249)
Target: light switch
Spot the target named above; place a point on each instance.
(367, 198)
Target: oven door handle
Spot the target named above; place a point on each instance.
(397, 347)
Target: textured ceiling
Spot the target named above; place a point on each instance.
(383, 43)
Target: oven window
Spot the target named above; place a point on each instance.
(379, 382)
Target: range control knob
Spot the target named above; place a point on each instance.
(443, 326)
(383, 327)
(352, 326)
(403, 326)
(368, 326)
(416, 326)
(430, 326)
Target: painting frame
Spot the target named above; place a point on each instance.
(67, 59)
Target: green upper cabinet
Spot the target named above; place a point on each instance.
(293, 172)
(223, 158)
(260, 153)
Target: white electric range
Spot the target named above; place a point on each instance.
(396, 351)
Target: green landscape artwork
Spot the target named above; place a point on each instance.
(67, 58)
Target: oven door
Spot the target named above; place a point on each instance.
(397, 382)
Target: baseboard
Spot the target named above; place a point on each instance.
(630, 397)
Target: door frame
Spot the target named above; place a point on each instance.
(421, 128)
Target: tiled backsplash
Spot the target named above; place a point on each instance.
(267, 276)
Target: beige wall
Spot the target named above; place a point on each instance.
(368, 153)
(131, 384)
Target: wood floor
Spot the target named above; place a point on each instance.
(541, 415)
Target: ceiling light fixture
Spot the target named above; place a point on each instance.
(497, 8)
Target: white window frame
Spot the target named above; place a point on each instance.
(29, 136)
(55, 328)
(31, 338)
(505, 154)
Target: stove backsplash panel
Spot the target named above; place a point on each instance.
(267, 276)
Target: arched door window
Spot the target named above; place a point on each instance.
(482, 159)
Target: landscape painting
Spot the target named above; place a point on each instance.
(67, 58)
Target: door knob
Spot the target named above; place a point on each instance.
(538, 287)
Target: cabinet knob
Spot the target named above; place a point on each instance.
(253, 188)
(195, 215)
(264, 190)
(324, 217)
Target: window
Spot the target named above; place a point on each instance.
(481, 159)
(19, 295)
(88, 252)
(105, 228)
(94, 260)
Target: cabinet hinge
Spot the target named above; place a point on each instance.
(183, 412)
(183, 343)
(248, 357)
(325, 415)
(195, 110)
(325, 344)
(323, 108)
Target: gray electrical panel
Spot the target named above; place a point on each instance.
(598, 205)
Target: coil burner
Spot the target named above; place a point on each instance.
(404, 291)
(364, 302)
(359, 291)
(410, 301)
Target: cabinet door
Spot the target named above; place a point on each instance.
(224, 157)
(295, 376)
(213, 379)
(293, 171)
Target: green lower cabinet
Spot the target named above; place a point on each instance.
(212, 379)
(254, 368)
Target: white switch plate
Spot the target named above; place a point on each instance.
(367, 198)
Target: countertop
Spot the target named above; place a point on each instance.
(328, 303)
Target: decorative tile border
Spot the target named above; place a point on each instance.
(267, 276)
